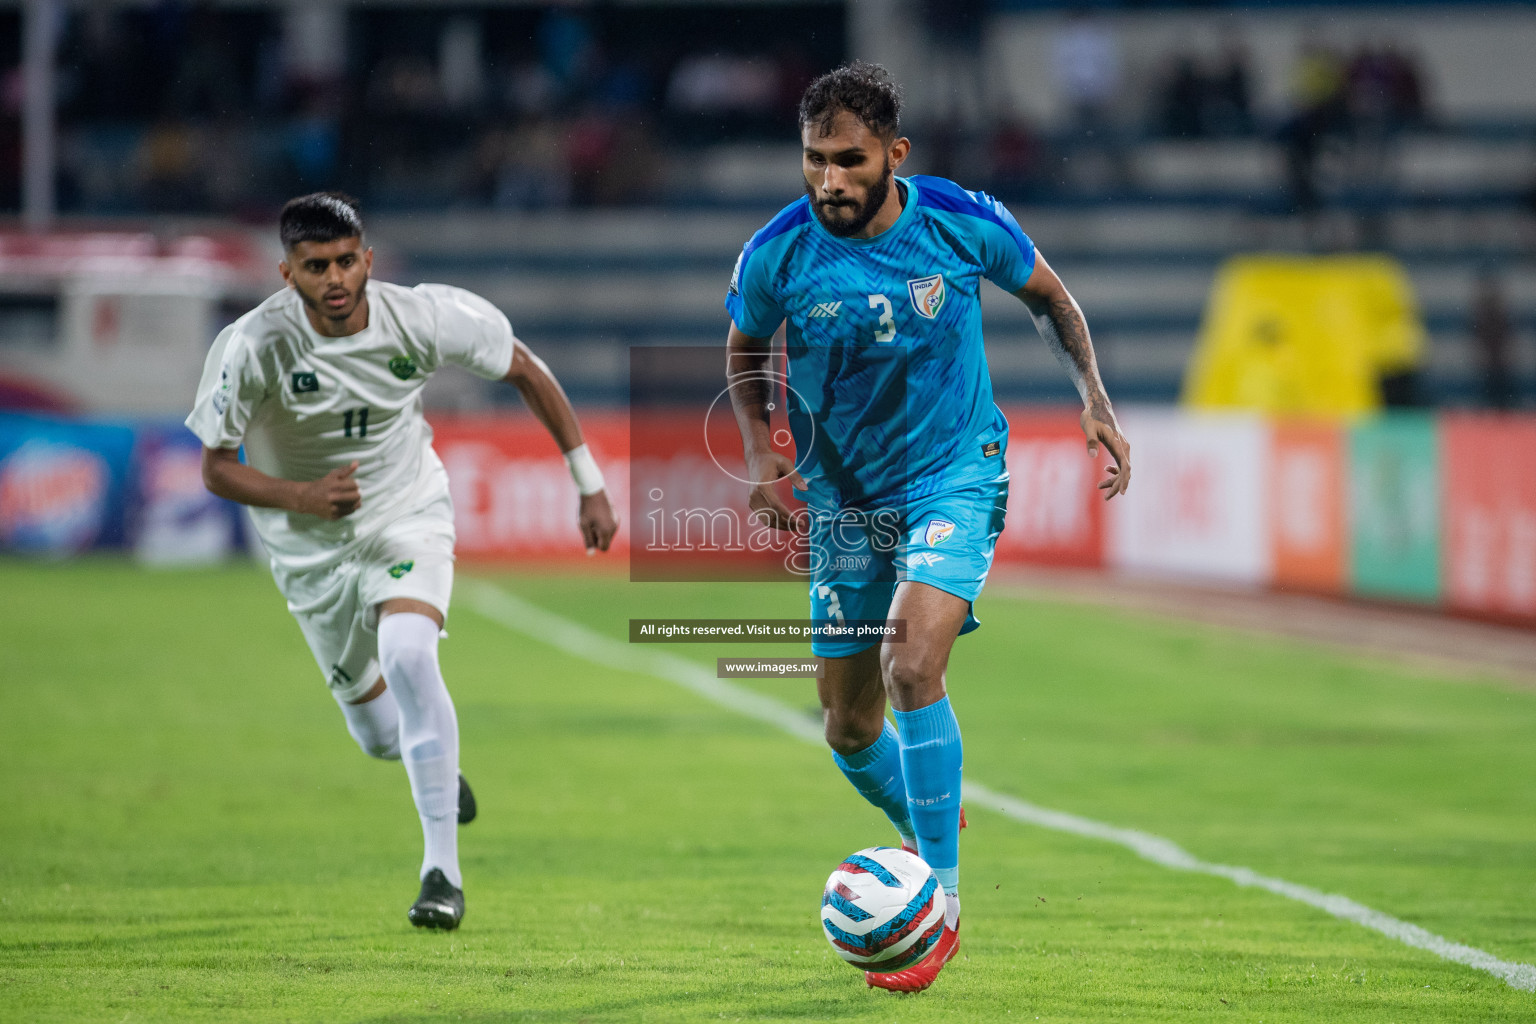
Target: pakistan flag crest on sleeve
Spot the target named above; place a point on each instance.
(403, 367)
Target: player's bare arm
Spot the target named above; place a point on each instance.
(751, 389)
(331, 497)
(1060, 322)
(547, 401)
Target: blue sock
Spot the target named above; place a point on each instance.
(875, 772)
(931, 760)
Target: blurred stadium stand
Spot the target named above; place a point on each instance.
(594, 168)
(583, 286)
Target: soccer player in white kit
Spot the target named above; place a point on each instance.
(322, 385)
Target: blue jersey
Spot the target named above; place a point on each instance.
(889, 395)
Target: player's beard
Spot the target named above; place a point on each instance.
(318, 303)
(865, 211)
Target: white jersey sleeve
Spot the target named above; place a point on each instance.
(469, 332)
(232, 388)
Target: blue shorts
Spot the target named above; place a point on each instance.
(945, 540)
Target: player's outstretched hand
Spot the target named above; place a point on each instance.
(597, 521)
(333, 495)
(1100, 427)
(767, 506)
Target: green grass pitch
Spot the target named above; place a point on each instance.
(188, 833)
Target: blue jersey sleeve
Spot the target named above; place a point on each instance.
(1006, 253)
(750, 299)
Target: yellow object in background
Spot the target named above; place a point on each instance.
(1304, 334)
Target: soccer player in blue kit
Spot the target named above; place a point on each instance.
(899, 448)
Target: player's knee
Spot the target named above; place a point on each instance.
(847, 734)
(385, 748)
(408, 647)
(407, 664)
(380, 739)
(910, 676)
(374, 724)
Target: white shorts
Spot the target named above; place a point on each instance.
(338, 605)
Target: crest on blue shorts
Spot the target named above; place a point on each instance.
(928, 295)
(938, 532)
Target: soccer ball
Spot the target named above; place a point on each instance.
(882, 909)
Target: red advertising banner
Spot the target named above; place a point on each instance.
(688, 506)
(513, 497)
(1309, 525)
(1055, 512)
(1489, 507)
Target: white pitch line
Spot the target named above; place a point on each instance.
(579, 641)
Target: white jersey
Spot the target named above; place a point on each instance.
(304, 404)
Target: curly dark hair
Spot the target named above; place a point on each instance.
(319, 217)
(863, 89)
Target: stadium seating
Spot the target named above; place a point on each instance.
(581, 286)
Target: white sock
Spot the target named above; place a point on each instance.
(951, 910)
(429, 734)
(375, 725)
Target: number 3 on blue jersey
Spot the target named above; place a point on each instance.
(827, 594)
(887, 331)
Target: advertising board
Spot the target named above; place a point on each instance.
(1055, 512)
(1308, 517)
(63, 484)
(1490, 514)
(173, 519)
(1198, 505)
(512, 495)
(1394, 507)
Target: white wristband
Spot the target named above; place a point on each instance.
(589, 479)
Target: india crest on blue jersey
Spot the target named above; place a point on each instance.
(938, 532)
(927, 295)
